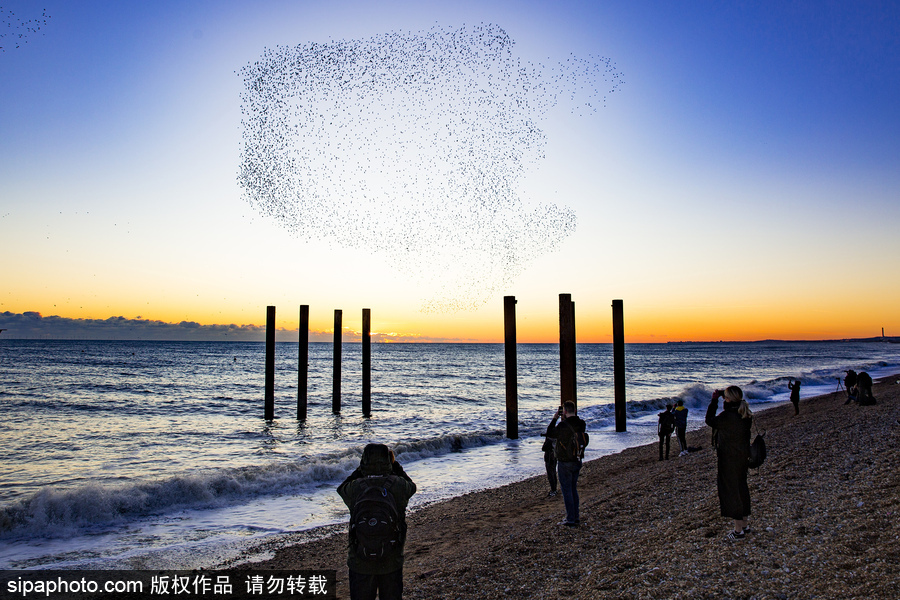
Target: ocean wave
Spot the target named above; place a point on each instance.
(65, 512)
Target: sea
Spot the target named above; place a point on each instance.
(156, 455)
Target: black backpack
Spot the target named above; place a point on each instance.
(574, 449)
(376, 528)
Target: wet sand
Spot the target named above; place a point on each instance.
(824, 522)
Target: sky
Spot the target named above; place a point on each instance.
(739, 179)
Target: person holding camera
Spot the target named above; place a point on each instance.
(570, 443)
(377, 493)
(733, 453)
(794, 386)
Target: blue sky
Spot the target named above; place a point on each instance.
(742, 182)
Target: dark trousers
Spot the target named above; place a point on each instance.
(568, 484)
(550, 463)
(682, 439)
(387, 587)
(668, 439)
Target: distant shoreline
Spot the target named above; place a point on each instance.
(889, 340)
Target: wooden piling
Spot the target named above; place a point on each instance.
(269, 408)
(619, 363)
(303, 363)
(512, 391)
(336, 378)
(567, 350)
(366, 362)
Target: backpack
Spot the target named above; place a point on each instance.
(757, 451)
(666, 423)
(574, 449)
(375, 524)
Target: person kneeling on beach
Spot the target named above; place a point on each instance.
(864, 390)
(733, 426)
(377, 493)
(571, 439)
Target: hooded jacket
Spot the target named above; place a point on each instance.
(377, 468)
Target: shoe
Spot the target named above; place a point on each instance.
(552, 493)
(746, 530)
(571, 523)
(684, 453)
(735, 535)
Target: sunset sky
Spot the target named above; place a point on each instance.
(742, 183)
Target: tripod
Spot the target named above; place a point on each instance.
(840, 385)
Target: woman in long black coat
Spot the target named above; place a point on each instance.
(733, 448)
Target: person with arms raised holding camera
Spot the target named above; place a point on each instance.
(732, 426)
(377, 493)
(571, 439)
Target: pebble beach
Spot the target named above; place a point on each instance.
(824, 522)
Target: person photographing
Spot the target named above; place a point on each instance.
(377, 494)
(571, 440)
(732, 427)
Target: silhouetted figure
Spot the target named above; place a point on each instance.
(377, 493)
(550, 455)
(664, 430)
(732, 427)
(794, 386)
(864, 389)
(570, 442)
(681, 415)
(850, 386)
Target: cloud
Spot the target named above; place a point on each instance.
(32, 325)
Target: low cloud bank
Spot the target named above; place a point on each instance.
(33, 326)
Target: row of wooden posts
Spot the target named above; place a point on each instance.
(566, 361)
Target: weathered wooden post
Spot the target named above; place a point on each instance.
(303, 362)
(336, 378)
(567, 349)
(366, 362)
(512, 387)
(619, 363)
(269, 408)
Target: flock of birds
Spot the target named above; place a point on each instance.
(413, 145)
(15, 29)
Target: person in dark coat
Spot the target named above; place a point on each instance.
(864, 389)
(549, 450)
(850, 386)
(664, 430)
(383, 575)
(794, 386)
(733, 450)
